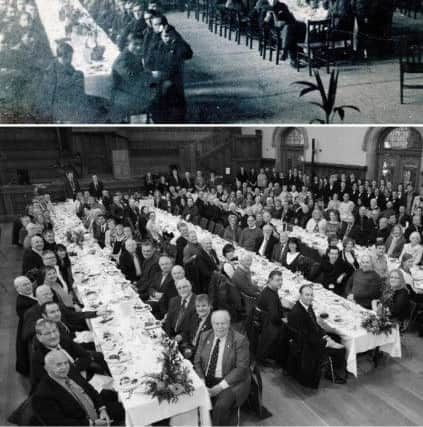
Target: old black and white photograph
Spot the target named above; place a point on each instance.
(211, 276)
(211, 61)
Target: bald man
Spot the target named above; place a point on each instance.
(33, 257)
(242, 278)
(222, 360)
(63, 397)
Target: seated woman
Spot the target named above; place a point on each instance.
(395, 242)
(414, 248)
(64, 264)
(405, 268)
(396, 296)
(348, 254)
(293, 260)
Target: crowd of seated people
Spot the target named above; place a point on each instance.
(186, 281)
(147, 74)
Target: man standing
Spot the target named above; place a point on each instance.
(222, 360)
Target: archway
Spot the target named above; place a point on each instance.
(394, 154)
(290, 145)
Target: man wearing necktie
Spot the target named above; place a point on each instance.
(63, 397)
(268, 242)
(181, 309)
(280, 249)
(222, 360)
(316, 343)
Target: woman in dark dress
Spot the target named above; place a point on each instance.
(24, 301)
(64, 264)
(293, 260)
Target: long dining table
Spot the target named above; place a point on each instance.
(127, 334)
(344, 316)
(97, 74)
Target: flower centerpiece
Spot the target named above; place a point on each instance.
(173, 379)
(380, 323)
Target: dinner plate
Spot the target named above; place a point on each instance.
(117, 358)
(128, 384)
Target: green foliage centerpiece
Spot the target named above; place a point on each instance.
(380, 323)
(174, 379)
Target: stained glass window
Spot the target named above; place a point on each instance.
(294, 137)
(399, 139)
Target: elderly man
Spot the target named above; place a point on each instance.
(222, 360)
(268, 242)
(365, 285)
(63, 397)
(48, 337)
(24, 301)
(316, 224)
(32, 258)
(130, 261)
(280, 249)
(232, 231)
(242, 278)
(181, 309)
(252, 236)
(315, 342)
(162, 287)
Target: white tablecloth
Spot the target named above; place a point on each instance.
(98, 74)
(344, 316)
(97, 280)
(305, 12)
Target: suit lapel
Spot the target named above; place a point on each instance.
(226, 352)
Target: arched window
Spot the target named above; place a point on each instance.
(294, 137)
(401, 138)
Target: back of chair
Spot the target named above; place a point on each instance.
(203, 223)
(411, 51)
(318, 31)
(211, 226)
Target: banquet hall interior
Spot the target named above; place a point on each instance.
(121, 244)
(208, 61)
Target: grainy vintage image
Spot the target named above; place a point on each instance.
(210, 61)
(199, 276)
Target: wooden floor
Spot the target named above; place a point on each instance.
(392, 394)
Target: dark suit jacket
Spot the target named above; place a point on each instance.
(235, 365)
(268, 251)
(99, 235)
(181, 242)
(69, 192)
(190, 332)
(127, 266)
(206, 265)
(56, 406)
(149, 268)
(411, 229)
(277, 254)
(242, 280)
(172, 316)
(82, 358)
(31, 260)
(167, 288)
(96, 191)
(117, 212)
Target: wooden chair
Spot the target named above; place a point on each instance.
(195, 220)
(411, 62)
(315, 50)
(251, 28)
(272, 42)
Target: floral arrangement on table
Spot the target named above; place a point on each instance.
(75, 236)
(380, 323)
(174, 378)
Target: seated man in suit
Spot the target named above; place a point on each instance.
(149, 268)
(303, 320)
(63, 397)
(232, 231)
(32, 258)
(242, 277)
(268, 242)
(181, 309)
(48, 337)
(350, 229)
(269, 343)
(280, 249)
(222, 360)
(207, 262)
(130, 261)
(200, 322)
(162, 288)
